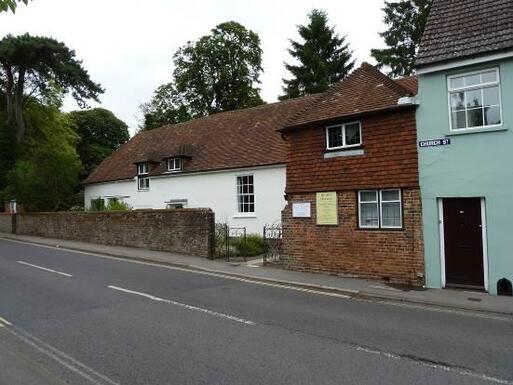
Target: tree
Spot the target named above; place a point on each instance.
(218, 72)
(46, 171)
(167, 106)
(33, 67)
(6, 5)
(100, 133)
(406, 20)
(324, 58)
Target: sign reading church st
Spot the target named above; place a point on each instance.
(435, 142)
(326, 204)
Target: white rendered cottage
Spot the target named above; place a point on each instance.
(231, 162)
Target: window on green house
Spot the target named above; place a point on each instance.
(475, 100)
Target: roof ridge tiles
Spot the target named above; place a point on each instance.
(347, 97)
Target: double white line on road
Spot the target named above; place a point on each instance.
(185, 306)
(92, 376)
(4, 322)
(45, 269)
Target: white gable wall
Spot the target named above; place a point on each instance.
(215, 190)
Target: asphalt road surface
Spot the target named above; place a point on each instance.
(76, 318)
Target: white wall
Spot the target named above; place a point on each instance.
(215, 190)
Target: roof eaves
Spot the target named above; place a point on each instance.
(347, 117)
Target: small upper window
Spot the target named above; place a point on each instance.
(142, 169)
(475, 100)
(174, 164)
(344, 136)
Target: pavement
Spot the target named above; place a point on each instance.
(353, 287)
(69, 317)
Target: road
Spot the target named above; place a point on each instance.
(74, 318)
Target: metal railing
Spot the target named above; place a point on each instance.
(273, 243)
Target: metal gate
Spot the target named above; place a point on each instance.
(225, 239)
(273, 244)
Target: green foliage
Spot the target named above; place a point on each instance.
(117, 205)
(406, 20)
(167, 106)
(97, 204)
(324, 58)
(113, 204)
(100, 132)
(41, 68)
(251, 246)
(6, 5)
(219, 72)
(46, 171)
(7, 150)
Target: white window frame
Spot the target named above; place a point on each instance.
(245, 194)
(376, 202)
(173, 162)
(343, 127)
(480, 86)
(379, 202)
(139, 181)
(143, 169)
(400, 201)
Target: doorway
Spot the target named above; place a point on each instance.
(463, 250)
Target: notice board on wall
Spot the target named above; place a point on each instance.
(327, 208)
(301, 210)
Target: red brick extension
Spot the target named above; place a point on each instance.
(390, 161)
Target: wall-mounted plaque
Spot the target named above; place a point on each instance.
(327, 211)
(301, 210)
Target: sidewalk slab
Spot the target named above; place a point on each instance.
(353, 287)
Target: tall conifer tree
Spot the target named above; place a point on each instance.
(323, 58)
(406, 20)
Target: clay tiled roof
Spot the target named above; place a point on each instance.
(410, 83)
(235, 139)
(466, 28)
(365, 90)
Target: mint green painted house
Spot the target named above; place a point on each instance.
(465, 132)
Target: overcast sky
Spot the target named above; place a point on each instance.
(127, 45)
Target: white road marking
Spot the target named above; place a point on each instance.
(5, 322)
(185, 306)
(437, 366)
(45, 269)
(62, 358)
(256, 281)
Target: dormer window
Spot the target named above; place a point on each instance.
(142, 169)
(344, 136)
(174, 164)
(143, 179)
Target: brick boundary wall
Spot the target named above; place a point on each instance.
(185, 231)
(345, 250)
(6, 223)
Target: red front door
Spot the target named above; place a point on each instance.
(463, 237)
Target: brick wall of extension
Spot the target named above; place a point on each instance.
(345, 250)
(389, 161)
(186, 231)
